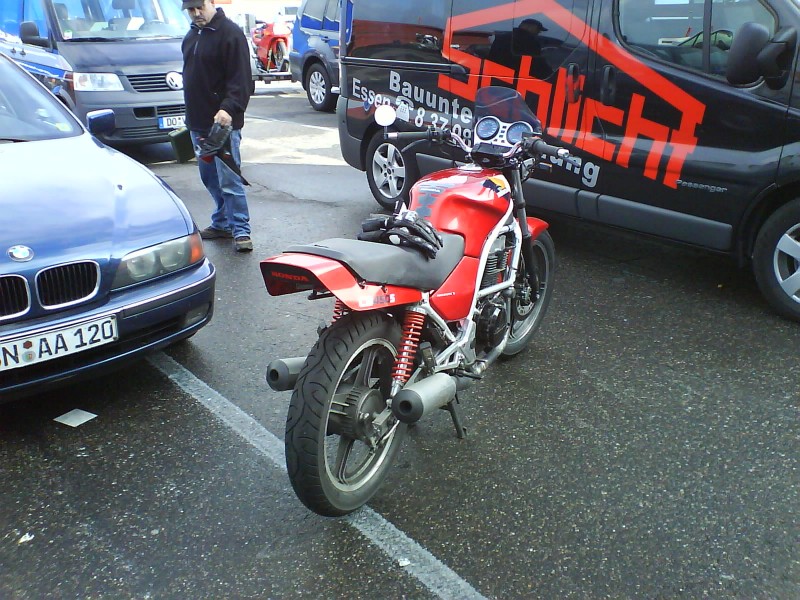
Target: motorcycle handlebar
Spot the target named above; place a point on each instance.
(533, 146)
(410, 136)
(537, 147)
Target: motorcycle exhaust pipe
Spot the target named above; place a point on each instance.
(415, 401)
(282, 373)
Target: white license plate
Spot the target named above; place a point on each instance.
(47, 345)
(170, 122)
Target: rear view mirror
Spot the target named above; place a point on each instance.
(29, 34)
(101, 122)
(754, 55)
(385, 115)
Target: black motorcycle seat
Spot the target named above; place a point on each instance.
(385, 264)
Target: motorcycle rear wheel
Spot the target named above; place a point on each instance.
(527, 312)
(347, 374)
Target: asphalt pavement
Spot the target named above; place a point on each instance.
(645, 446)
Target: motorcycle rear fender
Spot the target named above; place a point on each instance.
(296, 272)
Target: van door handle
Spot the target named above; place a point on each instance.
(608, 90)
(573, 83)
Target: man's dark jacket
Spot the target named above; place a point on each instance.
(216, 72)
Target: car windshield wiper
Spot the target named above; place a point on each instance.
(11, 140)
(98, 38)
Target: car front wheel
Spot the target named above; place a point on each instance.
(776, 260)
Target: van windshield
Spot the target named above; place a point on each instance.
(113, 20)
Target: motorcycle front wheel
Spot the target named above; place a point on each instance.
(334, 463)
(527, 311)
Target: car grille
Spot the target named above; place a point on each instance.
(150, 83)
(141, 133)
(67, 284)
(14, 296)
(170, 110)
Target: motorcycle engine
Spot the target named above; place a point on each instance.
(496, 263)
(492, 323)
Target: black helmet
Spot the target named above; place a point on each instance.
(217, 145)
(215, 141)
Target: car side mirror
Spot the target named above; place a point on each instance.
(101, 122)
(29, 34)
(754, 55)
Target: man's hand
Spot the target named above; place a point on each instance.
(223, 118)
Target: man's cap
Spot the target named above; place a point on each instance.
(192, 4)
(524, 22)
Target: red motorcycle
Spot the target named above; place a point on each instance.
(272, 45)
(424, 302)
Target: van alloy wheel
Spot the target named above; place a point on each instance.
(776, 260)
(390, 174)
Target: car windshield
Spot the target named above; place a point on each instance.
(28, 111)
(112, 20)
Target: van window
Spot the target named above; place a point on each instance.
(115, 19)
(672, 30)
(508, 41)
(315, 9)
(409, 31)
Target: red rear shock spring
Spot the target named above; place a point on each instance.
(412, 331)
(339, 310)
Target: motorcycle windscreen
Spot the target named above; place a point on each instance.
(506, 104)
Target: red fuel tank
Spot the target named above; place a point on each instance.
(466, 200)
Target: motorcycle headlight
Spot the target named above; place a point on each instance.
(96, 82)
(158, 260)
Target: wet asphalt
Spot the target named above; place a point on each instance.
(644, 446)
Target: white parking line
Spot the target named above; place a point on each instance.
(418, 562)
(272, 120)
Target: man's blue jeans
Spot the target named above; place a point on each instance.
(226, 188)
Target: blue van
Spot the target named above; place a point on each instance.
(92, 54)
(314, 57)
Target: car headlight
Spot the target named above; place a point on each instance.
(96, 82)
(158, 260)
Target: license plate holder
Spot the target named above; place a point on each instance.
(54, 343)
(171, 122)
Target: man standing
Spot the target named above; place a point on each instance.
(216, 88)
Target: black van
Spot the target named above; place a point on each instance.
(683, 113)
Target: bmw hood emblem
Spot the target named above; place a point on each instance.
(20, 253)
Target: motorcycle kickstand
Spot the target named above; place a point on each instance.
(454, 408)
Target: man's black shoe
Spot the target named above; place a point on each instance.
(212, 233)
(243, 244)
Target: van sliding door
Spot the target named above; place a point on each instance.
(674, 139)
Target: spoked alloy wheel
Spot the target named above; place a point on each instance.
(390, 174)
(776, 260)
(527, 311)
(318, 88)
(335, 459)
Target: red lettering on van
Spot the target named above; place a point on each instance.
(573, 122)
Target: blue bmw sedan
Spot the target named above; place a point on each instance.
(100, 261)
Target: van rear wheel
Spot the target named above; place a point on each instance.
(776, 260)
(390, 174)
